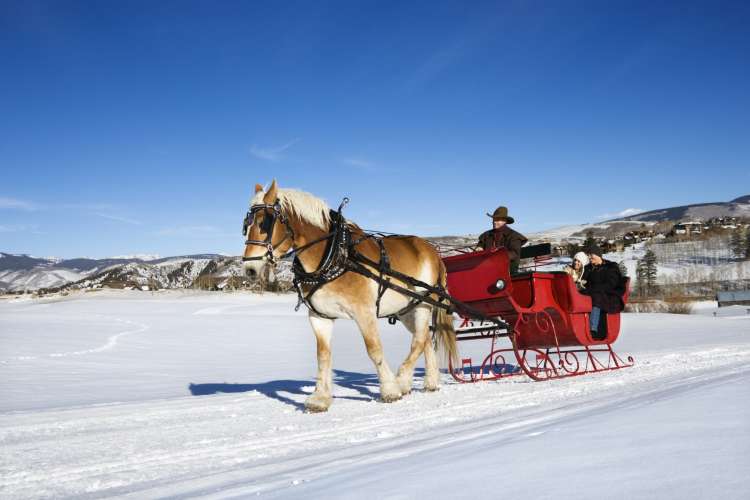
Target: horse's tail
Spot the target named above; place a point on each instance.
(445, 335)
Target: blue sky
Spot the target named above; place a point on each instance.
(141, 127)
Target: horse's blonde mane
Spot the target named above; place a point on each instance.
(307, 207)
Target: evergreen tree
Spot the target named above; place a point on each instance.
(590, 241)
(573, 248)
(738, 243)
(650, 270)
(747, 245)
(646, 274)
(640, 278)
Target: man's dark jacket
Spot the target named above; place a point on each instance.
(605, 285)
(504, 237)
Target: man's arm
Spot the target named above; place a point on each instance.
(515, 242)
(483, 241)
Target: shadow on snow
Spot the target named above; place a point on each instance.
(283, 390)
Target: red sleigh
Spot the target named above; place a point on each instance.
(547, 322)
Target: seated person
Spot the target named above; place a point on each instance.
(501, 236)
(605, 286)
(575, 269)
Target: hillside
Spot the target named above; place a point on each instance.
(26, 273)
(738, 207)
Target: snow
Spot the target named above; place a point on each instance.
(141, 256)
(188, 394)
(565, 233)
(38, 277)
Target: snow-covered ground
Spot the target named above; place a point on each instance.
(184, 394)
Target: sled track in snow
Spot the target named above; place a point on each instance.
(109, 344)
(236, 445)
(285, 475)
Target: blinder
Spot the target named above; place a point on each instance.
(267, 226)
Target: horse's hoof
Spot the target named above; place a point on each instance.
(431, 388)
(390, 392)
(405, 386)
(390, 398)
(317, 405)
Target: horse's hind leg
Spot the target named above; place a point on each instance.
(431, 368)
(321, 399)
(389, 390)
(417, 321)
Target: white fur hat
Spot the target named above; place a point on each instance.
(582, 258)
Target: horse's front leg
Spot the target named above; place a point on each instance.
(367, 322)
(321, 399)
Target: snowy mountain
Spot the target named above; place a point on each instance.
(25, 273)
(739, 207)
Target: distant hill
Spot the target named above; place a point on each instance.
(739, 207)
(17, 262)
(25, 273)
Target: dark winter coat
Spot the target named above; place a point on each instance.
(506, 238)
(605, 285)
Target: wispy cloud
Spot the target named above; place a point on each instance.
(359, 163)
(31, 206)
(435, 64)
(271, 154)
(16, 204)
(624, 213)
(91, 207)
(20, 228)
(120, 219)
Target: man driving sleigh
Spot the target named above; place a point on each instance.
(502, 236)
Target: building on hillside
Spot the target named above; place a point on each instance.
(736, 298)
(688, 228)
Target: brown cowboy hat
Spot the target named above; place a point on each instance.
(501, 213)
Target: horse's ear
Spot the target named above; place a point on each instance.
(272, 193)
(258, 188)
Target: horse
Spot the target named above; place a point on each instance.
(282, 221)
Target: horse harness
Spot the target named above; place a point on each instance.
(341, 256)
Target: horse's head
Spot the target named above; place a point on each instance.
(268, 234)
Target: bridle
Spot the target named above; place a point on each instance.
(270, 222)
(268, 226)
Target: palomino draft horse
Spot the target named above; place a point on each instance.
(282, 221)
